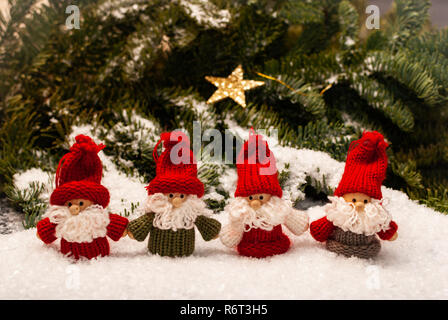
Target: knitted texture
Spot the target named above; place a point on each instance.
(297, 222)
(209, 228)
(79, 173)
(321, 229)
(98, 247)
(46, 230)
(256, 168)
(259, 243)
(180, 175)
(365, 168)
(172, 243)
(90, 250)
(351, 244)
(231, 235)
(116, 226)
(388, 234)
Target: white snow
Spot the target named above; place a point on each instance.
(120, 8)
(412, 267)
(349, 42)
(24, 179)
(206, 13)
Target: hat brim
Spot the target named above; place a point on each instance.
(88, 190)
(176, 183)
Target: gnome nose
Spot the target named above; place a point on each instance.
(177, 202)
(255, 204)
(359, 206)
(74, 210)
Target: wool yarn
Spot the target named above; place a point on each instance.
(257, 174)
(255, 156)
(172, 243)
(365, 167)
(176, 172)
(78, 176)
(175, 177)
(364, 172)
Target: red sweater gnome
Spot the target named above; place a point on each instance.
(355, 216)
(77, 212)
(257, 213)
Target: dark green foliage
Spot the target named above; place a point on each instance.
(150, 57)
(28, 202)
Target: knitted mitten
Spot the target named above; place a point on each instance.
(388, 234)
(208, 227)
(321, 229)
(297, 222)
(232, 234)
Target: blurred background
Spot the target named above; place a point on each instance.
(438, 11)
(327, 79)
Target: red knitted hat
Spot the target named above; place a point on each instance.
(79, 174)
(176, 169)
(365, 168)
(256, 168)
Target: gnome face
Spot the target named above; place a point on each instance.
(358, 199)
(79, 222)
(358, 213)
(264, 213)
(176, 198)
(175, 210)
(76, 206)
(257, 200)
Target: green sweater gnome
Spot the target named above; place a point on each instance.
(174, 205)
(167, 242)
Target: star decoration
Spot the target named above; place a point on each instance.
(232, 87)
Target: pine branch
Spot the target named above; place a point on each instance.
(411, 15)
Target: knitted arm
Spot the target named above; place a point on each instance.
(297, 222)
(208, 227)
(388, 234)
(116, 227)
(46, 230)
(321, 229)
(140, 227)
(232, 234)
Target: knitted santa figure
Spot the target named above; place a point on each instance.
(258, 211)
(174, 205)
(77, 212)
(355, 216)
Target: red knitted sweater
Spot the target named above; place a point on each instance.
(260, 243)
(99, 246)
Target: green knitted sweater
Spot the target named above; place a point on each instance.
(172, 243)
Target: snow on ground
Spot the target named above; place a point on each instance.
(206, 13)
(10, 221)
(412, 267)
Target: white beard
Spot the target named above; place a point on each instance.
(373, 219)
(168, 217)
(89, 224)
(269, 215)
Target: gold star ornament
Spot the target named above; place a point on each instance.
(232, 87)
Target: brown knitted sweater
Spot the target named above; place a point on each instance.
(352, 244)
(172, 243)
